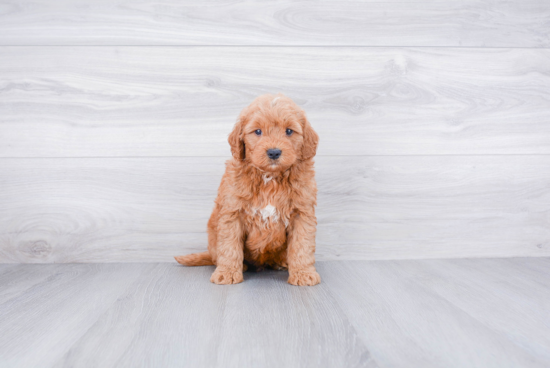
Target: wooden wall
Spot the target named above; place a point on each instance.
(434, 118)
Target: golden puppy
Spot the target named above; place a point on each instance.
(265, 210)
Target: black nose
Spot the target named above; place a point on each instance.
(274, 153)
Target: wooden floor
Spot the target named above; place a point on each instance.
(410, 313)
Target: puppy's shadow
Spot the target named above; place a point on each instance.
(266, 275)
(251, 276)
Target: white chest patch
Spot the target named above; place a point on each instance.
(269, 213)
(266, 178)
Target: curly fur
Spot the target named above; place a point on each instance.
(264, 214)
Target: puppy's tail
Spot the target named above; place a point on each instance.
(195, 259)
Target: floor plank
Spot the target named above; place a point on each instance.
(44, 320)
(411, 317)
(479, 23)
(17, 280)
(183, 101)
(168, 317)
(506, 301)
(174, 316)
(265, 317)
(413, 313)
(150, 209)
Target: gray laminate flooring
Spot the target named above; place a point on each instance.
(410, 313)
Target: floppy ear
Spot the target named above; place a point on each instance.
(236, 141)
(311, 139)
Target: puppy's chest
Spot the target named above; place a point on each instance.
(267, 215)
(269, 209)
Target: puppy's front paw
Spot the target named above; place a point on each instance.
(304, 278)
(226, 276)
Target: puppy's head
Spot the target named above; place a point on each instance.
(273, 133)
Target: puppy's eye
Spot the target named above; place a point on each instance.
(258, 132)
(289, 131)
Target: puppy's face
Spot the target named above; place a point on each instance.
(272, 142)
(273, 133)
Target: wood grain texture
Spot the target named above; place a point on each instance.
(324, 335)
(53, 306)
(493, 23)
(386, 207)
(451, 313)
(522, 296)
(183, 101)
(173, 316)
(414, 313)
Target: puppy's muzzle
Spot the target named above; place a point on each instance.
(274, 153)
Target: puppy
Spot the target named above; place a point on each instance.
(264, 214)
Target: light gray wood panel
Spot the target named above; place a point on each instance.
(183, 101)
(411, 314)
(361, 23)
(41, 323)
(386, 207)
(514, 303)
(323, 338)
(537, 270)
(429, 313)
(174, 316)
(170, 316)
(17, 280)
